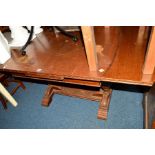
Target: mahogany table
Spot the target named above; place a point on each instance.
(105, 54)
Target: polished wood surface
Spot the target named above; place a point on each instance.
(128, 63)
(59, 59)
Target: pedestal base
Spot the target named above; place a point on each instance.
(102, 95)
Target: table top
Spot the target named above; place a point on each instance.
(59, 58)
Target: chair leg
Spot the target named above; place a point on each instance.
(17, 81)
(7, 95)
(3, 101)
(22, 85)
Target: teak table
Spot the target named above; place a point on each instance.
(102, 54)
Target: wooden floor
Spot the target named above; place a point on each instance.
(50, 58)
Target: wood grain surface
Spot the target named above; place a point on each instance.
(50, 58)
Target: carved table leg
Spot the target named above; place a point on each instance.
(104, 103)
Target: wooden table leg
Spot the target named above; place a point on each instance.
(104, 103)
(48, 95)
(102, 95)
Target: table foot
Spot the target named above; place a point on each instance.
(48, 95)
(104, 104)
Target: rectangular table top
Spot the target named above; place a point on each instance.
(59, 58)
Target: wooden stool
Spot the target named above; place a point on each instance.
(4, 79)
